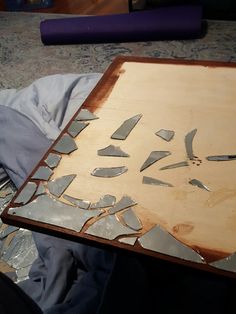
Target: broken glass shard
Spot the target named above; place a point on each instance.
(8, 230)
(166, 135)
(52, 160)
(108, 228)
(112, 150)
(125, 202)
(128, 240)
(176, 165)
(127, 126)
(199, 184)
(228, 263)
(26, 193)
(40, 190)
(109, 172)
(189, 143)
(59, 185)
(153, 157)
(160, 241)
(85, 115)
(131, 220)
(76, 127)
(65, 145)
(153, 181)
(105, 201)
(42, 173)
(51, 211)
(221, 158)
(77, 202)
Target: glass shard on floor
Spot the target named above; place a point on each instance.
(52, 160)
(176, 165)
(127, 126)
(160, 241)
(128, 240)
(131, 220)
(26, 193)
(42, 173)
(77, 202)
(189, 143)
(153, 157)
(59, 185)
(85, 115)
(40, 190)
(112, 150)
(109, 172)
(125, 202)
(228, 263)
(51, 211)
(65, 145)
(153, 181)
(166, 135)
(105, 201)
(221, 158)
(108, 228)
(199, 184)
(76, 127)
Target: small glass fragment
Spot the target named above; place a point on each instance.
(153, 181)
(26, 193)
(8, 230)
(52, 160)
(85, 115)
(166, 135)
(228, 263)
(40, 190)
(160, 241)
(109, 172)
(105, 201)
(153, 157)
(199, 184)
(128, 240)
(65, 145)
(112, 150)
(42, 173)
(127, 126)
(189, 143)
(125, 202)
(76, 127)
(176, 165)
(108, 228)
(221, 158)
(59, 185)
(77, 202)
(131, 220)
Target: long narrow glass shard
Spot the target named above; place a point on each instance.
(176, 165)
(128, 240)
(8, 230)
(77, 202)
(131, 220)
(42, 173)
(40, 190)
(51, 211)
(4, 183)
(109, 172)
(108, 228)
(228, 263)
(189, 143)
(166, 135)
(85, 115)
(65, 145)
(52, 160)
(199, 184)
(127, 126)
(25, 195)
(221, 158)
(112, 150)
(160, 241)
(125, 202)
(153, 181)
(59, 185)
(76, 127)
(105, 201)
(153, 157)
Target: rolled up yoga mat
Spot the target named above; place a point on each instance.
(174, 22)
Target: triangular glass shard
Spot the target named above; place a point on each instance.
(59, 185)
(189, 143)
(199, 184)
(52, 160)
(109, 172)
(40, 190)
(128, 240)
(160, 241)
(153, 157)
(26, 193)
(65, 145)
(76, 127)
(125, 202)
(77, 202)
(42, 173)
(108, 228)
(176, 165)
(105, 201)
(112, 150)
(153, 181)
(51, 211)
(131, 220)
(127, 126)
(228, 263)
(85, 115)
(166, 135)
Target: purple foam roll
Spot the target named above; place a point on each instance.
(174, 22)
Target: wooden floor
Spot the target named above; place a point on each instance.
(86, 7)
